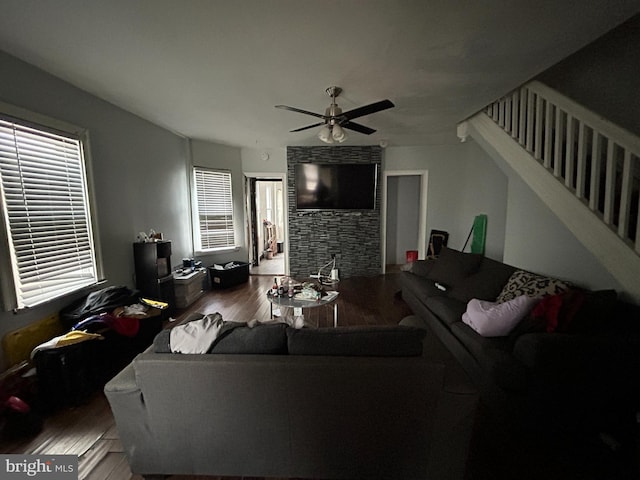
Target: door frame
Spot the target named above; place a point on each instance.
(422, 211)
(275, 176)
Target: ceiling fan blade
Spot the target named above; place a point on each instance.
(368, 109)
(308, 126)
(357, 128)
(293, 109)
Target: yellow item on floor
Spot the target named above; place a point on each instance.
(154, 303)
(77, 336)
(69, 338)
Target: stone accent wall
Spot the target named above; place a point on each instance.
(353, 236)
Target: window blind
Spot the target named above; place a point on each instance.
(214, 203)
(46, 212)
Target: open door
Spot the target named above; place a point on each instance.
(266, 216)
(404, 215)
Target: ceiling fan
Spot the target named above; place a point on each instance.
(334, 119)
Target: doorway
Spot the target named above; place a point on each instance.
(404, 217)
(266, 225)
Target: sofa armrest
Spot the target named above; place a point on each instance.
(420, 267)
(129, 409)
(123, 382)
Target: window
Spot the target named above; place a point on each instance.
(213, 225)
(45, 214)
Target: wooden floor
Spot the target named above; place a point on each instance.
(88, 431)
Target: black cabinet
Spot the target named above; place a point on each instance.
(153, 271)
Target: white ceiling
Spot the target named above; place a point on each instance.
(214, 70)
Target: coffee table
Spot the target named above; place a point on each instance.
(299, 305)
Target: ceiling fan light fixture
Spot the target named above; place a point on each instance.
(325, 134)
(338, 133)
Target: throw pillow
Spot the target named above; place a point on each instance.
(452, 266)
(258, 340)
(485, 284)
(161, 342)
(237, 338)
(557, 311)
(491, 319)
(526, 283)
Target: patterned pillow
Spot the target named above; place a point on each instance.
(527, 283)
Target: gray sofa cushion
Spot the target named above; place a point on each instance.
(421, 287)
(494, 356)
(378, 341)
(484, 284)
(448, 310)
(452, 266)
(261, 339)
(419, 267)
(161, 343)
(236, 338)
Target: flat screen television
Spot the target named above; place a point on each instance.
(336, 186)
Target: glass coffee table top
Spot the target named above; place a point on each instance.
(299, 303)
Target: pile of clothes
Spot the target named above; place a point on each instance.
(105, 330)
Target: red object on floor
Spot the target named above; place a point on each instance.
(17, 404)
(412, 256)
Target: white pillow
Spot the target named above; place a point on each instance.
(491, 319)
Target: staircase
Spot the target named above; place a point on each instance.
(585, 169)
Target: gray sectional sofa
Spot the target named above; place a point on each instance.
(576, 376)
(313, 403)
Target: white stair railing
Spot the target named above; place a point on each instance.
(595, 159)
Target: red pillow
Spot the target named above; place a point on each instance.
(558, 310)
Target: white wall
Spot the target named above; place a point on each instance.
(463, 182)
(538, 241)
(254, 162)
